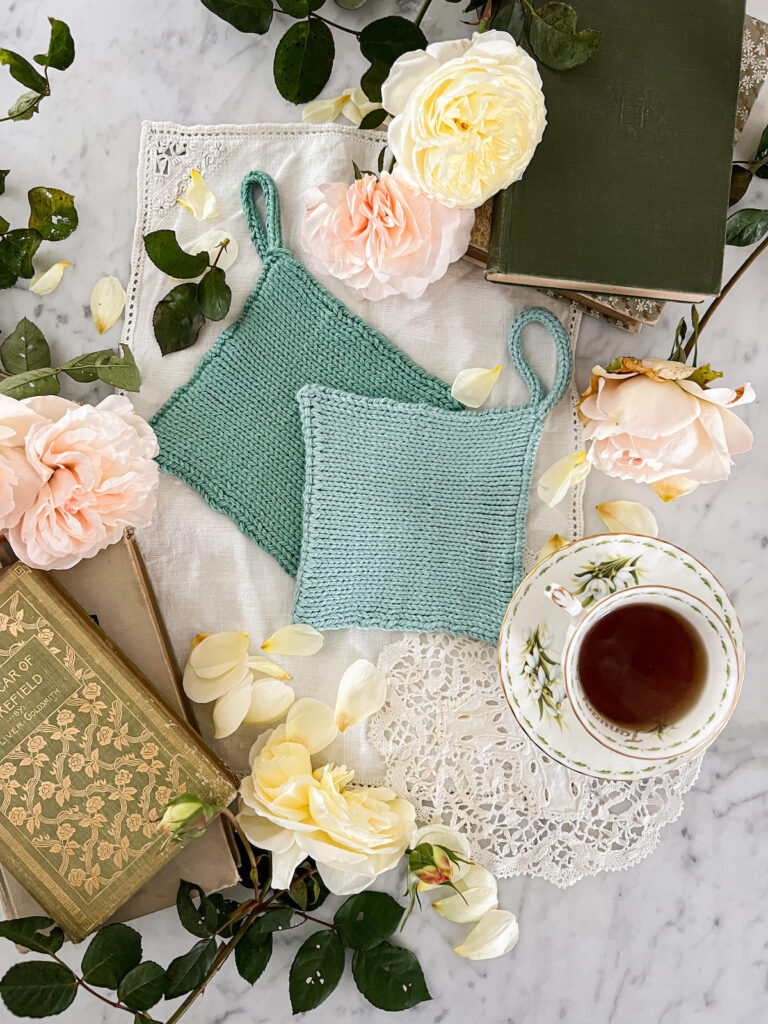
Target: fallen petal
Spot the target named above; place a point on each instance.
(270, 700)
(211, 241)
(554, 544)
(49, 280)
(472, 387)
(324, 111)
(562, 475)
(218, 653)
(358, 106)
(478, 893)
(674, 487)
(107, 303)
(628, 517)
(198, 198)
(298, 639)
(362, 692)
(230, 710)
(203, 691)
(266, 667)
(310, 722)
(495, 934)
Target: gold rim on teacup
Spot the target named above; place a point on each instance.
(725, 678)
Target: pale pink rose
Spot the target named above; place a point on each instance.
(97, 477)
(19, 482)
(381, 236)
(651, 424)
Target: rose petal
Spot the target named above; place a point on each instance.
(673, 487)
(478, 893)
(324, 111)
(219, 653)
(230, 710)
(357, 106)
(562, 475)
(299, 639)
(555, 543)
(198, 198)
(362, 692)
(628, 517)
(495, 934)
(107, 303)
(270, 700)
(266, 667)
(472, 387)
(203, 691)
(211, 241)
(310, 722)
(49, 280)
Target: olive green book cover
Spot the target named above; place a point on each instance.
(88, 757)
(627, 192)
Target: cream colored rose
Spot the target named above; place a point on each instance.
(467, 116)
(352, 834)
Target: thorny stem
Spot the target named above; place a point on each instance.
(422, 11)
(84, 985)
(708, 315)
(232, 819)
(222, 247)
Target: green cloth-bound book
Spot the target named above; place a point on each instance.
(628, 191)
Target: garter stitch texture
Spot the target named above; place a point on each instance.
(233, 431)
(414, 516)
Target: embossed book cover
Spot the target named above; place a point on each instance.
(88, 757)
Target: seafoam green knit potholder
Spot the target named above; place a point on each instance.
(233, 432)
(414, 516)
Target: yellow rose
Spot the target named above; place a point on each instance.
(352, 834)
(468, 115)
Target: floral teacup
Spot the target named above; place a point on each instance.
(699, 726)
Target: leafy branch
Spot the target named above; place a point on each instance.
(52, 217)
(59, 56)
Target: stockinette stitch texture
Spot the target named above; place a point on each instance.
(414, 516)
(233, 431)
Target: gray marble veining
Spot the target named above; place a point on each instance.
(682, 937)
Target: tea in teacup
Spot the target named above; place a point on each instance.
(642, 665)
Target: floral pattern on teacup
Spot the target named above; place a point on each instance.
(543, 673)
(599, 579)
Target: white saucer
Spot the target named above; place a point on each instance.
(534, 633)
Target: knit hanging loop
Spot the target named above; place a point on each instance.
(267, 236)
(538, 400)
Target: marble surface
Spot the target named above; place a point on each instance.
(682, 937)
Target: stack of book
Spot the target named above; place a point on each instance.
(624, 203)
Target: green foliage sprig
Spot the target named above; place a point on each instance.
(26, 365)
(52, 217)
(179, 316)
(59, 56)
(306, 51)
(388, 975)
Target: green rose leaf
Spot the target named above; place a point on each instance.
(3, 176)
(4, 225)
(214, 294)
(245, 15)
(307, 894)
(61, 47)
(30, 384)
(703, 375)
(24, 73)
(52, 213)
(224, 909)
(509, 16)
(296, 8)
(272, 921)
(741, 178)
(83, 368)
(200, 918)
(119, 371)
(745, 227)
(303, 61)
(25, 349)
(389, 38)
(26, 106)
(252, 955)
(389, 977)
(17, 248)
(373, 119)
(187, 972)
(177, 319)
(38, 934)
(349, 5)
(762, 151)
(373, 79)
(554, 38)
(39, 988)
(167, 255)
(316, 970)
(143, 986)
(112, 953)
(366, 919)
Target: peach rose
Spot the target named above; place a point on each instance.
(381, 236)
(96, 476)
(19, 482)
(651, 423)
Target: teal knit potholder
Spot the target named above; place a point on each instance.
(414, 516)
(233, 431)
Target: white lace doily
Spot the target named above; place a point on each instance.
(453, 747)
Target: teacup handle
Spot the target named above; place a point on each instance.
(563, 598)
